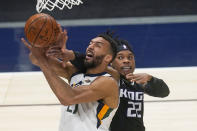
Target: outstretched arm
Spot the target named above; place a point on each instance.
(152, 85)
(69, 96)
(62, 56)
(157, 87)
(52, 52)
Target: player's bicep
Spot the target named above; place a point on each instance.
(99, 89)
(84, 94)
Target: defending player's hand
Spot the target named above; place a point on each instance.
(55, 50)
(140, 78)
(62, 41)
(59, 51)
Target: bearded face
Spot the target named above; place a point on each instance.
(96, 51)
(97, 60)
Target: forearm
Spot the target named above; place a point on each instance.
(67, 55)
(55, 64)
(157, 87)
(78, 61)
(60, 88)
(57, 67)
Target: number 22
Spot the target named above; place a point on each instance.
(134, 110)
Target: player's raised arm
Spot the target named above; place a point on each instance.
(103, 88)
(93, 89)
(54, 62)
(59, 56)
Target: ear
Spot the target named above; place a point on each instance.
(108, 58)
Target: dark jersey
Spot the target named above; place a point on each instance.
(129, 116)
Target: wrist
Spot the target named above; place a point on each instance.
(68, 55)
(43, 63)
(71, 55)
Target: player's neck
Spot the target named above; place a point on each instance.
(96, 70)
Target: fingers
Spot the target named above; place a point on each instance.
(64, 64)
(54, 47)
(26, 43)
(64, 40)
(140, 78)
(61, 40)
(135, 78)
(54, 58)
(59, 26)
(54, 54)
(62, 37)
(58, 49)
(129, 76)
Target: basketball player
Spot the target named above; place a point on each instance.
(91, 99)
(129, 116)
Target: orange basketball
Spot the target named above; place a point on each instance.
(41, 30)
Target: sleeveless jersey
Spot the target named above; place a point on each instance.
(92, 116)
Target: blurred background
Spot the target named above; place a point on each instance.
(161, 32)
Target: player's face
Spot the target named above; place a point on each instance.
(96, 51)
(124, 62)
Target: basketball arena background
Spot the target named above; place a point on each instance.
(163, 34)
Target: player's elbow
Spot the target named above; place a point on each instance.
(166, 93)
(67, 101)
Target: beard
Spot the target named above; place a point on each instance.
(95, 62)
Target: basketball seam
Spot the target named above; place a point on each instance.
(30, 26)
(52, 30)
(40, 31)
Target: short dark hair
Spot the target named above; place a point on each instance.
(108, 35)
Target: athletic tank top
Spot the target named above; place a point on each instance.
(92, 116)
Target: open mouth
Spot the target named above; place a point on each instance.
(89, 54)
(126, 69)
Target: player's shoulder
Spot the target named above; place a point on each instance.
(107, 80)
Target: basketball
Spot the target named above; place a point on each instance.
(41, 30)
